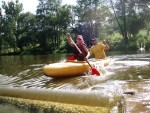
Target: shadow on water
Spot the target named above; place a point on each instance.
(24, 75)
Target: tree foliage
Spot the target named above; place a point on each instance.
(52, 21)
(130, 15)
(44, 31)
(10, 25)
(92, 16)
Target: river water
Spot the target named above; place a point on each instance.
(22, 76)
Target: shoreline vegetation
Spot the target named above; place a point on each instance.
(115, 43)
(125, 25)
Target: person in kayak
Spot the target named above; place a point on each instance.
(98, 49)
(81, 45)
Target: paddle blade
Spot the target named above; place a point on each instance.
(95, 72)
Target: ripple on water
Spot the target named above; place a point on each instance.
(133, 63)
(140, 101)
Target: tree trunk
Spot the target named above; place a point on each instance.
(124, 22)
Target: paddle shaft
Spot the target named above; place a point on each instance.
(94, 71)
(80, 51)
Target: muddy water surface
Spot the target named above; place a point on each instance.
(22, 76)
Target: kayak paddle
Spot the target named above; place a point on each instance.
(94, 71)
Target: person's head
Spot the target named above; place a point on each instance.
(79, 39)
(93, 41)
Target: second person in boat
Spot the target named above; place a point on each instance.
(98, 49)
(81, 46)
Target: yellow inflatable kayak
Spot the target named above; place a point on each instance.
(73, 68)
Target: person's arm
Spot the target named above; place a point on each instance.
(106, 45)
(70, 40)
(88, 55)
(85, 48)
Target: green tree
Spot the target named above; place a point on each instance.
(26, 30)
(12, 12)
(1, 24)
(52, 21)
(92, 17)
(131, 16)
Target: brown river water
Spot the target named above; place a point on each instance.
(23, 77)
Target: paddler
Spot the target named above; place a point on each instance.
(98, 49)
(81, 45)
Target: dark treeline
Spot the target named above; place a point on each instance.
(124, 24)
